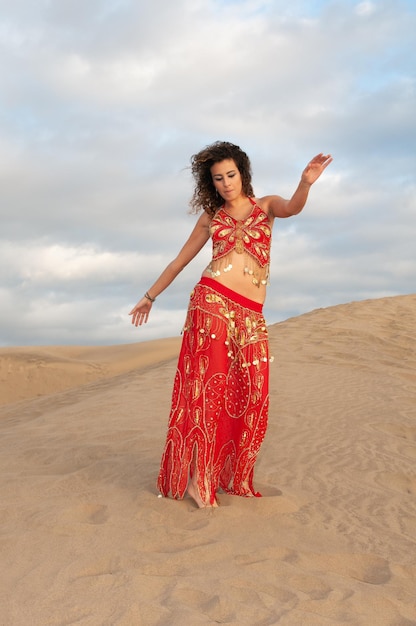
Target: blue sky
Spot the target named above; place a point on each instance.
(102, 103)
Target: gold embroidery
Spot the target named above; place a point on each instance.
(213, 298)
(197, 416)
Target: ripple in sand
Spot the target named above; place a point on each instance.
(409, 451)
(397, 482)
(398, 430)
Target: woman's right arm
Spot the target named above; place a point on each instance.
(196, 241)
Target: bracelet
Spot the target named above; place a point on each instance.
(146, 295)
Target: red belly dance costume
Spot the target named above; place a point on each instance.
(220, 396)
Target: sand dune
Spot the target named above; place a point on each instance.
(37, 371)
(85, 539)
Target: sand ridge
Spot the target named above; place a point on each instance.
(85, 539)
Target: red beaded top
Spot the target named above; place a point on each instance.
(253, 235)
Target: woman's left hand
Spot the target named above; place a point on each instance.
(140, 313)
(315, 168)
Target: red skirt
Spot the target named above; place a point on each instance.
(220, 396)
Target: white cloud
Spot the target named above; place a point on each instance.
(57, 264)
(365, 9)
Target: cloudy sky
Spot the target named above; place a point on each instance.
(102, 103)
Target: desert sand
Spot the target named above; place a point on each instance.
(86, 540)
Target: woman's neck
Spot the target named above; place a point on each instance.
(238, 205)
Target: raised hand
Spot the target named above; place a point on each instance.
(315, 168)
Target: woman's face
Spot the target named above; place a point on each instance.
(227, 179)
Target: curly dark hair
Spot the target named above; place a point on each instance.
(205, 195)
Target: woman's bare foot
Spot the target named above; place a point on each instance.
(246, 489)
(194, 493)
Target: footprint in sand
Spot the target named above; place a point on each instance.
(86, 513)
(367, 568)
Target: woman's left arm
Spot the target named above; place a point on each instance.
(279, 207)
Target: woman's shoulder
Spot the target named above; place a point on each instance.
(204, 220)
(210, 217)
(205, 217)
(264, 203)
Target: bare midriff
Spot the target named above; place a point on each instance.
(241, 273)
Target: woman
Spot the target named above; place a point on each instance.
(220, 397)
